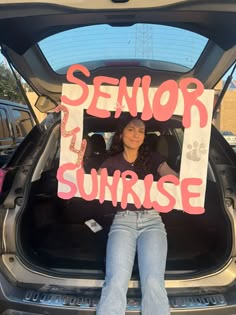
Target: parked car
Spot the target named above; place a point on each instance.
(50, 261)
(15, 123)
(230, 137)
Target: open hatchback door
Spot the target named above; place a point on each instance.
(50, 261)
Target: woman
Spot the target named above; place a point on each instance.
(135, 228)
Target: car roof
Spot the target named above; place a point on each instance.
(13, 104)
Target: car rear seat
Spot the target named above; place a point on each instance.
(78, 210)
(96, 152)
(168, 147)
(151, 141)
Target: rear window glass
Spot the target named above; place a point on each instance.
(161, 47)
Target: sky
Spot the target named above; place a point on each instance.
(139, 41)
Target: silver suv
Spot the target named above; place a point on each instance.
(50, 261)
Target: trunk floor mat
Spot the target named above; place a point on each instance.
(76, 246)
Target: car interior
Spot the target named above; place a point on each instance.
(53, 233)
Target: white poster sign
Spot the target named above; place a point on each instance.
(187, 192)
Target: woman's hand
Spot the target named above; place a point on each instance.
(165, 169)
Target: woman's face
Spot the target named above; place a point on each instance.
(133, 134)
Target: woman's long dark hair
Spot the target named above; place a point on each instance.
(142, 165)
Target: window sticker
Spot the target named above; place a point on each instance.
(108, 95)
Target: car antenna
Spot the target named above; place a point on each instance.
(225, 87)
(18, 82)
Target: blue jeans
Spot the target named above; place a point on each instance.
(144, 230)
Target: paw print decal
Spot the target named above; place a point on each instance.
(195, 151)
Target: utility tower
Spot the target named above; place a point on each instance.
(144, 42)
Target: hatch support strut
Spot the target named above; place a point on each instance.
(225, 87)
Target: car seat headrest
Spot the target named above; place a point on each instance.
(151, 141)
(98, 144)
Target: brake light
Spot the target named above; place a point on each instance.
(2, 177)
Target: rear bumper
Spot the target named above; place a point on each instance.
(18, 300)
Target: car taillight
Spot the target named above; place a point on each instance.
(2, 177)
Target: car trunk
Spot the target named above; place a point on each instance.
(53, 233)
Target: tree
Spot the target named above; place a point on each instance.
(8, 87)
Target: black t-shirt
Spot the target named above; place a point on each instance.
(118, 162)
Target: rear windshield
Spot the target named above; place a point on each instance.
(155, 46)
